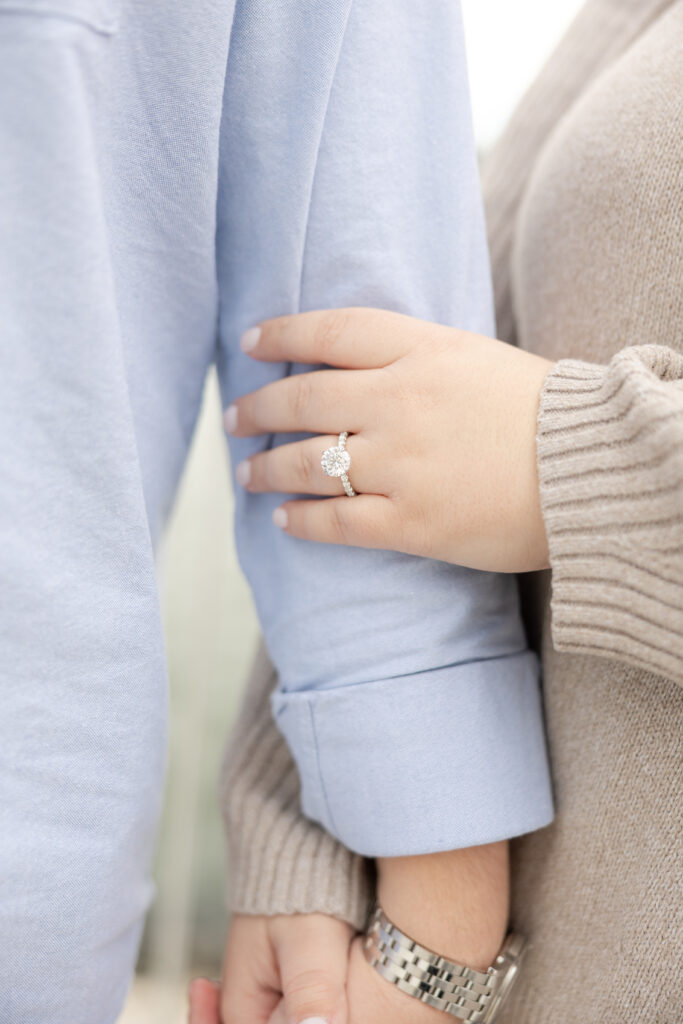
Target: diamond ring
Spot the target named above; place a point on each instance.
(336, 461)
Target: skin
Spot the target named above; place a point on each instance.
(288, 969)
(443, 428)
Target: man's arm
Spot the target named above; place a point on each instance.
(81, 658)
(348, 177)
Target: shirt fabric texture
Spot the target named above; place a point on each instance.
(588, 170)
(170, 175)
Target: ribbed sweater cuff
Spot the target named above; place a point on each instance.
(291, 866)
(610, 464)
(279, 861)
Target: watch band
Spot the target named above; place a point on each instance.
(469, 995)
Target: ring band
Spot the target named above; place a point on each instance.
(336, 461)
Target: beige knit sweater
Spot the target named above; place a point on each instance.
(584, 198)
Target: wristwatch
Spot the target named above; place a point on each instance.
(474, 996)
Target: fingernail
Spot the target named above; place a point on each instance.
(250, 339)
(315, 1020)
(280, 518)
(243, 472)
(230, 418)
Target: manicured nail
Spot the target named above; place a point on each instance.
(243, 472)
(280, 518)
(230, 418)
(315, 1020)
(250, 338)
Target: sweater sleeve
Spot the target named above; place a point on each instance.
(280, 862)
(610, 459)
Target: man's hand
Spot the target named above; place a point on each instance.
(367, 996)
(294, 968)
(281, 968)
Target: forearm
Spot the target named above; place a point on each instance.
(455, 903)
(282, 863)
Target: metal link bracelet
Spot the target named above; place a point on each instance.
(469, 995)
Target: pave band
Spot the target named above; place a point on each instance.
(336, 461)
(469, 995)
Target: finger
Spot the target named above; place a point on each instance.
(313, 951)
(251, 980)
(296, 468)
(350, 338)
(279, 1014)
(204, 1000)
(324, 402)
(365, 521)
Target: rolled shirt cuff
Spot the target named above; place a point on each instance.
(440, 760)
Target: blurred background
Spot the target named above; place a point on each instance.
(209, 620)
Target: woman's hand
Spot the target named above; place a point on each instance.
(442, 425)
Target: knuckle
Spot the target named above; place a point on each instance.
(380, 387)
(332, 325)
(251, 408)
(339, 522)
(262, 471)
(401, 386)
(300, 396)
(306, 466)
(414, 535)
(364, 534)
(311, 991)
(281, 329)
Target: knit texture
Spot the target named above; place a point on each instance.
(584, 203)
(280, 862)
(610, 460)
(584, 197)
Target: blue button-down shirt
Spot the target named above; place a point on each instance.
(169, 175)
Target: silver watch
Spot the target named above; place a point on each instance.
(474, 996)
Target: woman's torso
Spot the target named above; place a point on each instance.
(586, 225)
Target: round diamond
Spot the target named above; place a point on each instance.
(335, 461)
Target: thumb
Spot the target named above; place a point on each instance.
(312, 951)
(204, 999)
(251, 980)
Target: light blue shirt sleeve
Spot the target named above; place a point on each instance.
(348, 176)
(82, 672)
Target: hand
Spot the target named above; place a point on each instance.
(443, 426)
(280, 969)
(369, 998)
(288, 969)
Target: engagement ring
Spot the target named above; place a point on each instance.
(336, 461)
